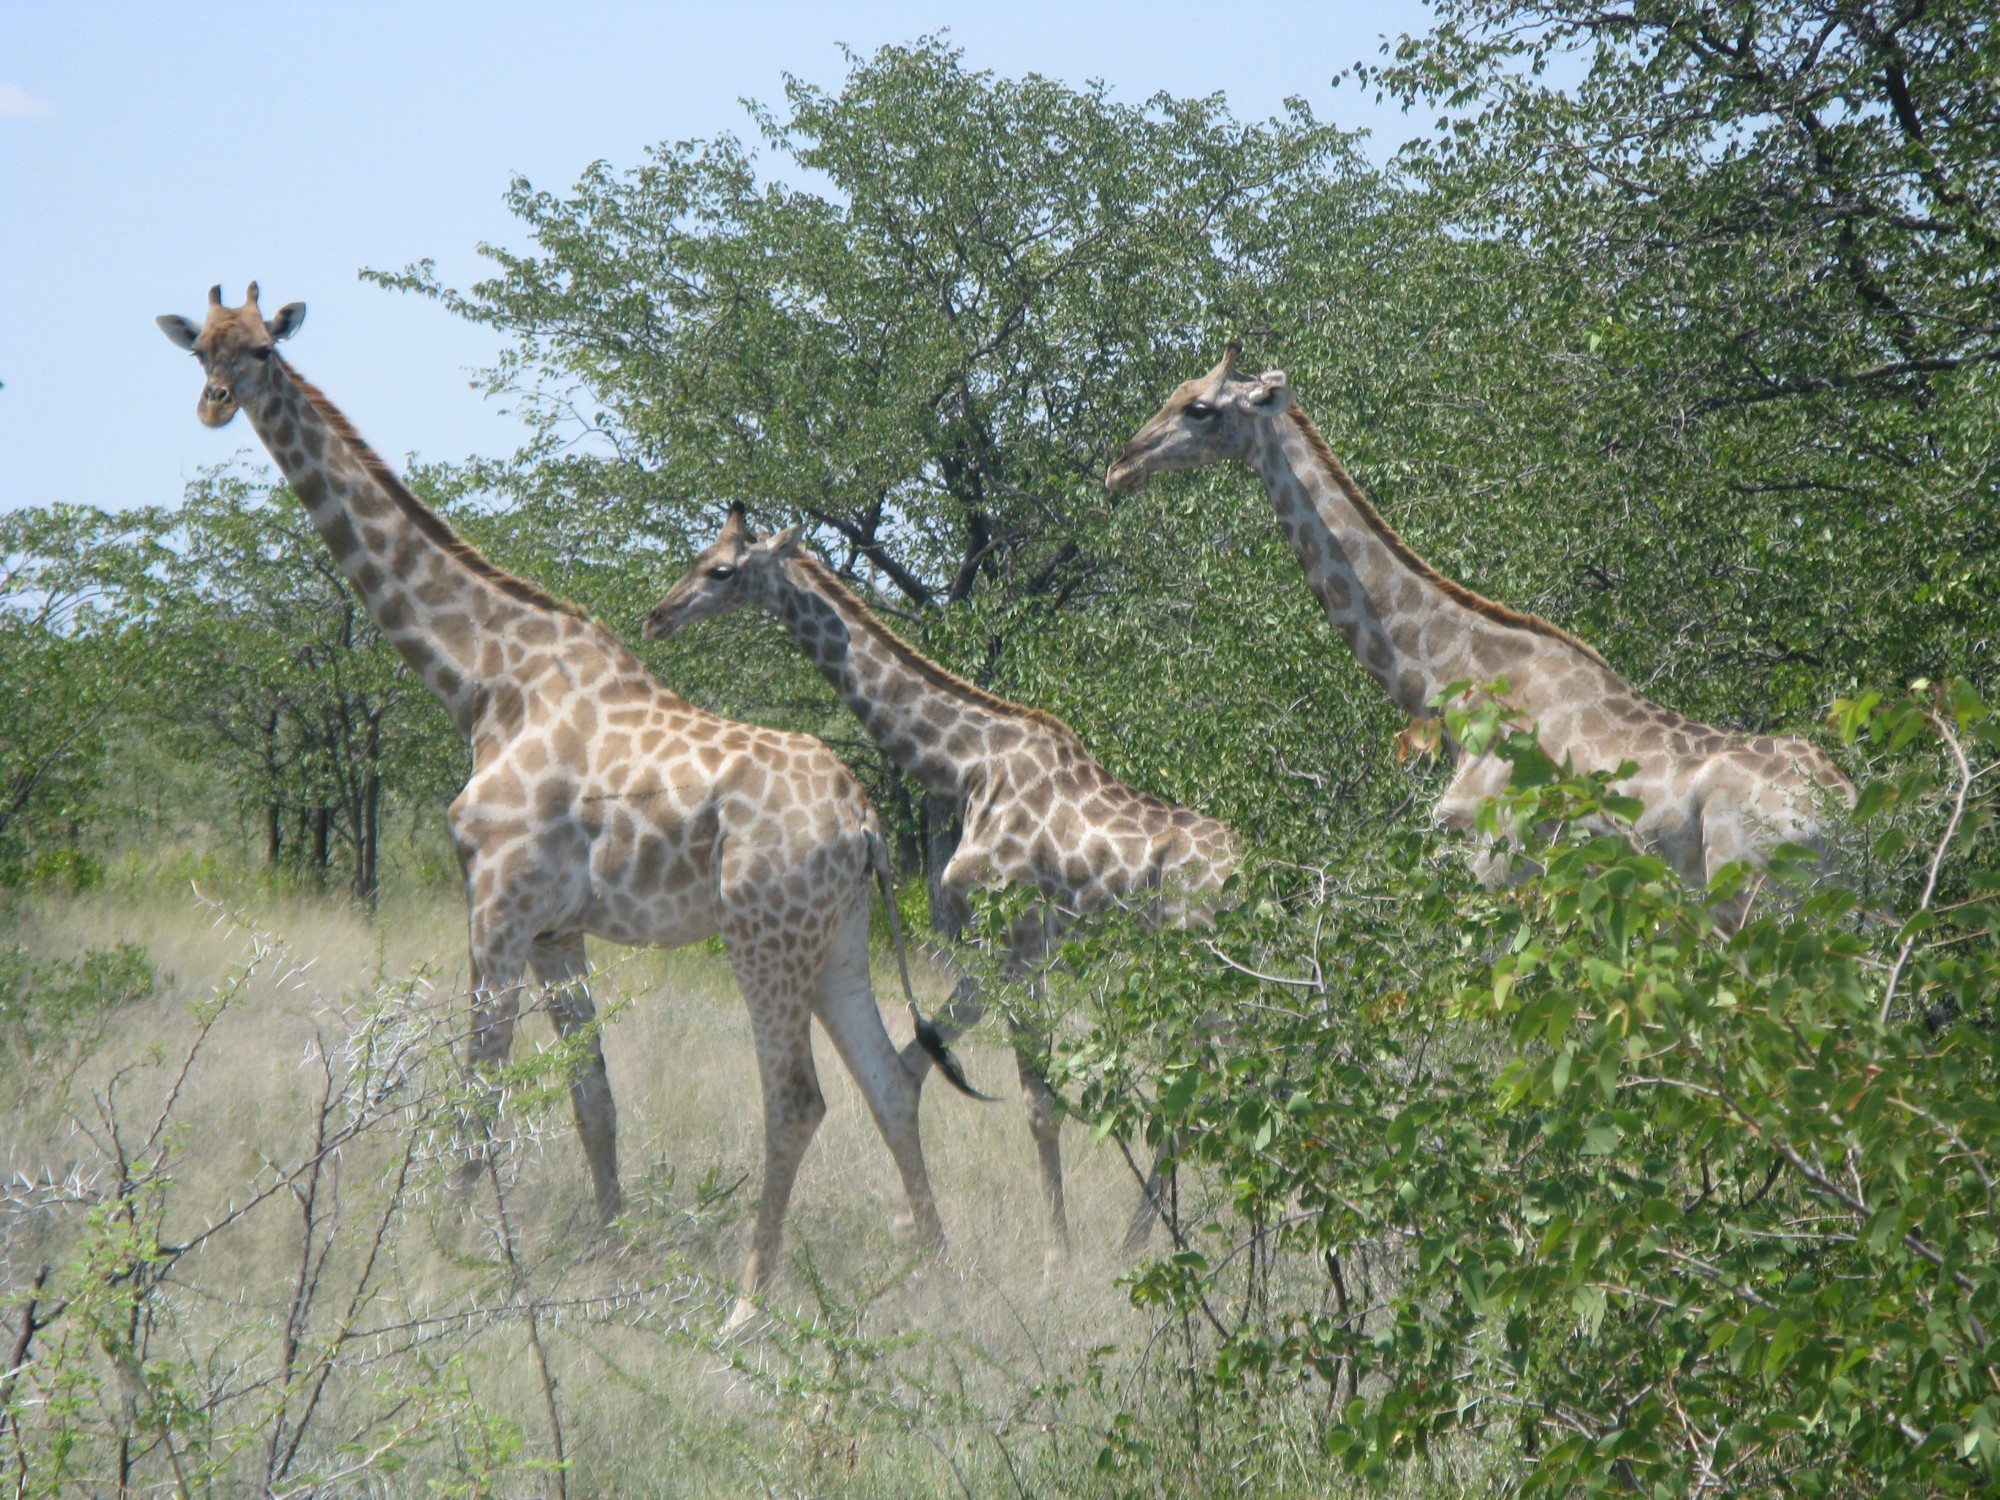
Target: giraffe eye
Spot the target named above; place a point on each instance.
(265, 352)
(1201, 411)
(721, 571)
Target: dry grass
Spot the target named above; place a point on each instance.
(648, 1405)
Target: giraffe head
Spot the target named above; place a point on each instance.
(1206, 420)
(738, 569)
(234, 346)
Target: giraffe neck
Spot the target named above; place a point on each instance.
(1413, 630)
(444, 607)
(926, 720)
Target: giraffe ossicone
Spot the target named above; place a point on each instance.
(1711, 797)
(1037, 809)
(599, 801)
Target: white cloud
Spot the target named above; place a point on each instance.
(18, 104)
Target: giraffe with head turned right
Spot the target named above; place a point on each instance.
(1711, 797)
(599, 802)
(1036, 807)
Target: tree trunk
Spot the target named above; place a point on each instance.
(940, 833)
(274, 833)
(368, 825)
(367, 884)
(322, 833)
(907, 824)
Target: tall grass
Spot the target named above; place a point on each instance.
(467, 1341)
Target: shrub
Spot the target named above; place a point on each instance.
(1632, 1205)
(67, 999)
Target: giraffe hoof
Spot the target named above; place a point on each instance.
(746, 1320)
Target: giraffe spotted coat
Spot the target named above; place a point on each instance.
(599, 801)
(1711, 796)
(1037, 808)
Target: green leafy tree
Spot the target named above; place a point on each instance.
(67, 658)
(274, 670)
(926, 348)
(222, 636)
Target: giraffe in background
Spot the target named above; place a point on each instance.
(1711, 797)
(599, 802)
(1036, 807)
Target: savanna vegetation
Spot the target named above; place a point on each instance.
(1678, 324)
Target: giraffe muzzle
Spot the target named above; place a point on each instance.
(1124, 473)
(216, 407)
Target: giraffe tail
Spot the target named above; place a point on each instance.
(928, 1036)
(932, 1041)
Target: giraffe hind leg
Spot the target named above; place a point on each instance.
(1045, 1125)
(1152, 1203)
(1029, 941)
(776, 990)
(844, 1001)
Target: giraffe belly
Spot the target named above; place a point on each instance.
(646, 887)
(668, 922)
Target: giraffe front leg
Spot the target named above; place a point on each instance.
(776, 991)
(560, 965)
(1457, 812)
(496, 962)
(1726, 839)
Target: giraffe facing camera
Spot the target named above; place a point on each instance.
(599, 801)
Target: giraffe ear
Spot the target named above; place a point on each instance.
(1273, 393)
(179, 329)
(289, 319)
(785, 543)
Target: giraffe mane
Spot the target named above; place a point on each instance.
(426, 520)
(1500, 614)
(848, 602)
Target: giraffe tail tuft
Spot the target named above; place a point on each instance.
(932, 1041)
(928, 1036)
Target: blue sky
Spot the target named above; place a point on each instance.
(150, 150)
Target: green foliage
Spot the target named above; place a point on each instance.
(927, 359)
(270, 666)
(66, 667)
(222, 635)
(1670, 1211)
(66, 1000)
